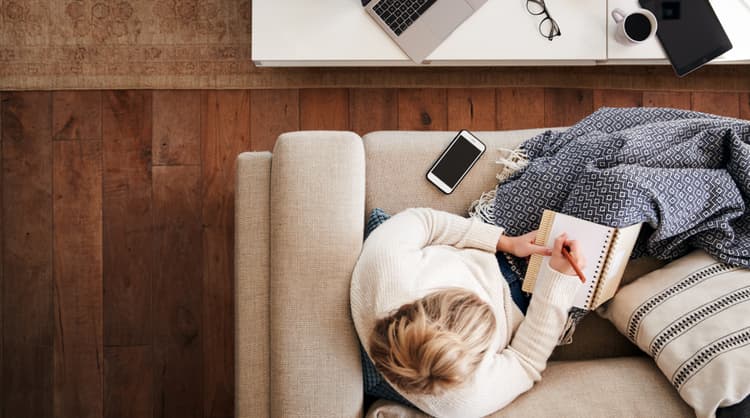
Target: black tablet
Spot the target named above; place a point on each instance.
(689, 31)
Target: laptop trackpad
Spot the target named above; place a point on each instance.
(446, 15)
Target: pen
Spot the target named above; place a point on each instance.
(573, 263)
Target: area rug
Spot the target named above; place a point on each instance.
(124, 43)
(205, 44)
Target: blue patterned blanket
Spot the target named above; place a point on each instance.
(685, 174)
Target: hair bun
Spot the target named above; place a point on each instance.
(435, 343)
(430, 358)
(439, 361)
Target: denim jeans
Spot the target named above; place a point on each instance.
(515, 282)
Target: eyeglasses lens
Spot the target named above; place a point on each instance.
(535, 7)
(548, 28)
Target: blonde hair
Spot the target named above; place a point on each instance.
(434, 343)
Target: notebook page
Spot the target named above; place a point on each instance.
(614, 268)
(593, 240)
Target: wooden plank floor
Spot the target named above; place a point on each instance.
(117, 226)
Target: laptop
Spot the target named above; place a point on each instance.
(419, 26)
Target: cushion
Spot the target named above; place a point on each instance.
(623, 387)
(315, 237)
(691, 316)
(398, 161)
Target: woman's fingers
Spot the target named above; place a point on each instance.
(560, 262)
(531, 247)
(573, 248)
(538, 249)
(559, 242)
(575, 252)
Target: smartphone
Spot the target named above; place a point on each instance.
(689, 31)
(455, 162)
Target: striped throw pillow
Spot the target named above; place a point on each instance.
(693, 318)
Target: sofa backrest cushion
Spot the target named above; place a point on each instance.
(397, 162)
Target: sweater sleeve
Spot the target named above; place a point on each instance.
(416, 228)
(514, 370)
(538, 333)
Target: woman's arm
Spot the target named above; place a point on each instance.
(416, 228)
(538, 333)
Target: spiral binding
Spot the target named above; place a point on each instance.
(613, 240)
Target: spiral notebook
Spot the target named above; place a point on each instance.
(606, 249)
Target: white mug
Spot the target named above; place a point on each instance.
(634, 27)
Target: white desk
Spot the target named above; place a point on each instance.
(502, 32)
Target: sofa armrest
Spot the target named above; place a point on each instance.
(252, 277)
(317, 223)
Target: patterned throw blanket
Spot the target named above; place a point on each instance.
(686, 175)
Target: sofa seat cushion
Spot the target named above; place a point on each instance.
(618, 387)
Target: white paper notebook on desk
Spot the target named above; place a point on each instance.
(606, 249)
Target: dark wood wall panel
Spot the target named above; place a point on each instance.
(373, 110)
(564, 107)
(177, 290)
(127, 212)
(2, 409)
(117, 226)
(324, 109)
(273, 113)
(745, 105)
(719, 103)
(680, 100)
(28, 325)
(177, 127)
(77, 204)
(472, 109)
(520, 108)
(617, 98)
(226, 133)
(128, 249)
(422, 109)
(128, 376)
(77, 115)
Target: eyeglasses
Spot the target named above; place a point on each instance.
(547, 27)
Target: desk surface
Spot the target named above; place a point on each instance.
(340, 32)
(502, 32)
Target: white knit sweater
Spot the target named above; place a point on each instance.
(421, 250)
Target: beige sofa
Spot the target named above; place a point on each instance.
(299, 223)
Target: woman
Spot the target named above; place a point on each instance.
(436, 316)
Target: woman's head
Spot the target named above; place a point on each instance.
(434, 343)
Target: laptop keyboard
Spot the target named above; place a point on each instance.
(400, 14)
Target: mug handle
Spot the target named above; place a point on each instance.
(618, 15)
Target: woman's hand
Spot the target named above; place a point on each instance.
(522, 245)
(560, 263)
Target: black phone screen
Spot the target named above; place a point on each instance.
(456, 161)
(689, 31)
